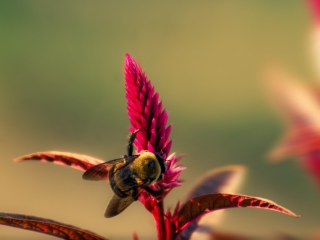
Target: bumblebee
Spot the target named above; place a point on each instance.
(128, 176)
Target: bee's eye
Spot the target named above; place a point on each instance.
(151, 164)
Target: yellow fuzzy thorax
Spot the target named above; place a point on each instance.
(147, 166)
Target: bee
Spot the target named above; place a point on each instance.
(128, 176)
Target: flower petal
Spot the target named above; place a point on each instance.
(146, 113)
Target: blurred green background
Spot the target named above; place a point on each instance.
(62, 88)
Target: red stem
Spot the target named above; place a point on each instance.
(158, 215)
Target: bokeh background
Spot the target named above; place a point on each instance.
(62, 88)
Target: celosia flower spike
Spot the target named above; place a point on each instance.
(146, 113)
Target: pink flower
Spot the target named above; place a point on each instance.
(145, 113)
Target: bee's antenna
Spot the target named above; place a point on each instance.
(130, 142)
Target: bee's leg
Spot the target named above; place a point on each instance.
(135, 194)
(130, 142)
(153, 192)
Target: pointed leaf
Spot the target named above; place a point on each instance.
(198, 206)
(300, 107)
(299, 104)
(74, 160)
(218, 180)
(47, 226)
(299, 141)
(224, 179)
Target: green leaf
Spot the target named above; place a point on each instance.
(47, 226)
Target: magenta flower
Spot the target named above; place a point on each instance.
(149, 124)
(146, 113)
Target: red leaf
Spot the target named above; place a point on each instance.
(300, 106)
(223, 179)
(47, 226)
(74, 160)
(198, 206)
(304, 143)
(217, 180)
(299, 141)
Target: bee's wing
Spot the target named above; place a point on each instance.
(117, 205)
(101, 171)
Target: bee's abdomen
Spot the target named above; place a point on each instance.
(123, 183)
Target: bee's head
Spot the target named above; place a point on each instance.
(148, 166)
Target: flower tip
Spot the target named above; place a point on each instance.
(128, 60)
(128, 57)
(131, 67)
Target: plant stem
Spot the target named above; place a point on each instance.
(158, 215)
